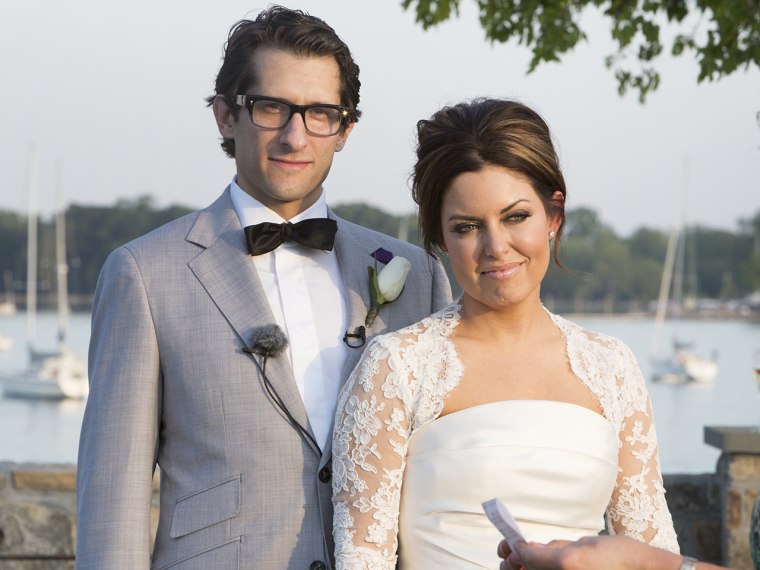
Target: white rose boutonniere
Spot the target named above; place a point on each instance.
(386, 285)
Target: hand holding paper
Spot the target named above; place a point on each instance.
(499, 515)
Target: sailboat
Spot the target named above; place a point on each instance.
(56, 374)
(683, 365)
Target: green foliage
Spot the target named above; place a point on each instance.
(605, 271)
(725, 38)
(403, 227)
(95, 231)
(12, 245)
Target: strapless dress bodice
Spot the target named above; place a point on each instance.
(553, 464)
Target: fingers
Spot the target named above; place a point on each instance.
(538, 556)
(511, 559)
(503, 550)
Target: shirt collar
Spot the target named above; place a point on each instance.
(250, 211)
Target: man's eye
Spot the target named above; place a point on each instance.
(272, 107)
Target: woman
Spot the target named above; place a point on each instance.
(493, 396)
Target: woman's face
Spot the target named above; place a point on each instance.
(496, 232)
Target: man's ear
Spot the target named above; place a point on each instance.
(343, 137)
(225, 118)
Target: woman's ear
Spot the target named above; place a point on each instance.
(556, 210)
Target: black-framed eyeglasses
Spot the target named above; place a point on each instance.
(320, 120)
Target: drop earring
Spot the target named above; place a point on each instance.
(552, 234)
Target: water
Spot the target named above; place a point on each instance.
(682, 411)
(36, 430)
(49, 431)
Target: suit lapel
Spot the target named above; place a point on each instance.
(227, 273)
(354, 249)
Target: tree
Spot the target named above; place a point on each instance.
(724, 35)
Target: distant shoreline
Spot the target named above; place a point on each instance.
(83, 304)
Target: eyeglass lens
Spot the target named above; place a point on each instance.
(271, 114)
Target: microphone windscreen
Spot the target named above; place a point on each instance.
(268, 340)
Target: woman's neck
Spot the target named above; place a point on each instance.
(514, 323)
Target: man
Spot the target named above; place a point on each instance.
(182, 373)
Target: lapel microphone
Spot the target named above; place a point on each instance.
(270, 340)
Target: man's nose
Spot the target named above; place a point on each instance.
(294, 133)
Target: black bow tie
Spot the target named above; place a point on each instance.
(318, 233)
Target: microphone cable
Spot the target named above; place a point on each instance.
(266, 341)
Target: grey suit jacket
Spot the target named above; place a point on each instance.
(171, 386)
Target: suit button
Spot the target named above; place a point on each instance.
(324, 475)
(317, 565)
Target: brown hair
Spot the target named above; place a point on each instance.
(470, 135)
(289, 30)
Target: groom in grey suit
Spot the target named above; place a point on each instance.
(182, 376)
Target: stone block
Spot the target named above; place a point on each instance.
(713, 495)
(745, 468)
(44, 480)
(37, 565)
(690, 493)
(733, 509)
(3, 481)
(35, 528)
(737, 551)
(707, 539)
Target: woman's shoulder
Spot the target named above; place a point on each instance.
(417, 365)
(591, 339)
(608, 367)
(440, 324)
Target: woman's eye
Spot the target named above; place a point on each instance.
(464, 228)
(517, 217)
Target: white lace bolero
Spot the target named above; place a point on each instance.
(400, 384)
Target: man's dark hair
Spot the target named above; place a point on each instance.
(289, 30)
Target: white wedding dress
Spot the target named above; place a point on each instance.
(403, 474)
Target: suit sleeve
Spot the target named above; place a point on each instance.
(118, 442)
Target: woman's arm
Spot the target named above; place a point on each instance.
(369, 456)
(638, 508)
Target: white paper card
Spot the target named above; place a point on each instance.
(498, 513)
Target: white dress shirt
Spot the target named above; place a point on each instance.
(305, 291)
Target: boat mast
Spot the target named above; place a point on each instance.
(667, 270)
(62, 267)
(31, 251)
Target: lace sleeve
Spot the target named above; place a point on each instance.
(638, 508)
(372, 427)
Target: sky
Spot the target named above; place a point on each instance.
(111, 93)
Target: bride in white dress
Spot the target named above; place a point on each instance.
(494, 396)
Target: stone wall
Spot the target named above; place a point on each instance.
(37, 516)
(738, 481)
(694, 502)
(38, 523)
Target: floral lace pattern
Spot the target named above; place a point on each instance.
(401, 384)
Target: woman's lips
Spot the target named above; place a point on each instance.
(502, 271)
